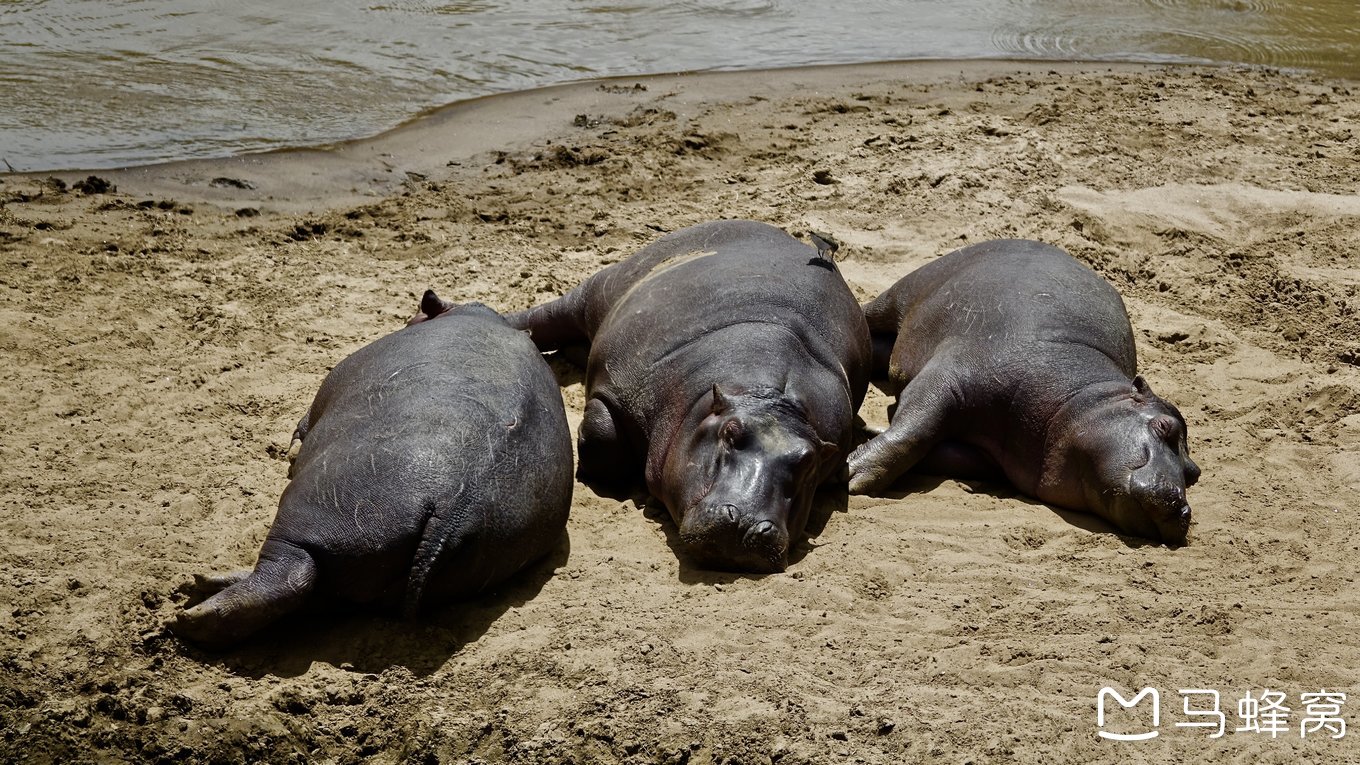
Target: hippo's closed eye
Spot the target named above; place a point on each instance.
(1165, 426)
(733, 433)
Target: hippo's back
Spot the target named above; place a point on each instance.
(697, 281)
(1005, 299)
(458, 414)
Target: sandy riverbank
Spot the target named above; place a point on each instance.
(161, 342)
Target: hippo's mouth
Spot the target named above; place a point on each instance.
(1173, 522)
(755, 560)
(1163, 516)
(715, 538)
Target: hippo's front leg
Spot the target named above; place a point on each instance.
(921, 411)
(602, 450)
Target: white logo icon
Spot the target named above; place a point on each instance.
(1112, 693)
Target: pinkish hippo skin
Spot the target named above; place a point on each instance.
(726, 363)
(1010, 359)
(435, 462)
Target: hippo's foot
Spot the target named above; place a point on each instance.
(280, 583)
(207, 585)
(876, 463)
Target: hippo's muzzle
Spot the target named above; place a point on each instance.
(726, 537)
(1174, 526)
(1161, 506)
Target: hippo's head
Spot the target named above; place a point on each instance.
(1140, 463)
(741, 483)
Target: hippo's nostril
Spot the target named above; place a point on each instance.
(763, 528)
(731, 512)
(1184, 513)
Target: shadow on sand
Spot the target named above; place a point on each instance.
(918, 483)
(369, 642)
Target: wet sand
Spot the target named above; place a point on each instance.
(162, 340)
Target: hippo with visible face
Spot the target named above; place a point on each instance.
(435, 463)
(726, 362)
(1011, 359)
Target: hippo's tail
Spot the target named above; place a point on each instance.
(445, 525)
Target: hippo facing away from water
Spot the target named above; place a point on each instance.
(435, 463)
(1012, 359)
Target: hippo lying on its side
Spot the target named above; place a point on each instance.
(435, 462)
(726, 362)
(1011, 358)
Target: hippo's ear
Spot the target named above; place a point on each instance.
(719, 400)
(432, 305)
(1140, 385)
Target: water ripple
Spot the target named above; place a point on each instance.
(90, 84)
(733, 10)
(1237, 6)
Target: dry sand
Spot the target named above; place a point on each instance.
(159, 346)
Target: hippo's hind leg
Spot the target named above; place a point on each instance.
(555, 324)
(912, 434)
(604, 454)
(956, 459)
(282, 580)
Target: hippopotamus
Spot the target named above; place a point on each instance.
(434, 463)
(725, 365)
(1011, 359)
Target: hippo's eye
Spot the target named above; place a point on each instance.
(732, 433)
(1165, 426)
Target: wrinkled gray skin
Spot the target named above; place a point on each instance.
(435, 462)
(726, 363)
(1010, 358)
